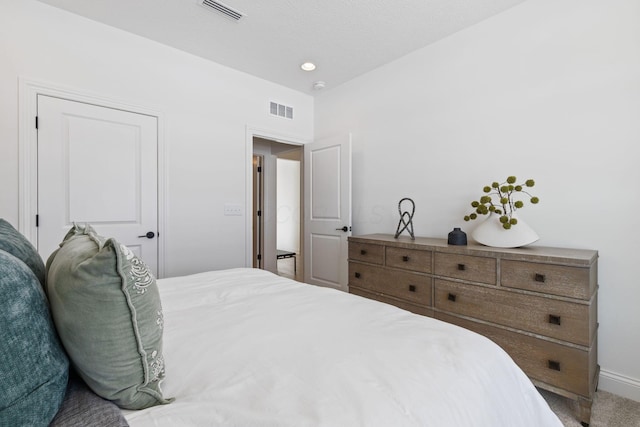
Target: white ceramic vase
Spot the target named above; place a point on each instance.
(491, 233)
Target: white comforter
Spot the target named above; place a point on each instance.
(246, 348)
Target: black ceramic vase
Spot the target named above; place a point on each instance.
(457, 237)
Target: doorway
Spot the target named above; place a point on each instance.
(277, 208)
(288, 202)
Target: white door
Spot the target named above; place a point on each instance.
(97, 165)
(327, 206)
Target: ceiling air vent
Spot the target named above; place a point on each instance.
(222, 8)
(281, 110)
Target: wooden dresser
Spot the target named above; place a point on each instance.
(537, 303)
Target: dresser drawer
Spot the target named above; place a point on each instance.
(366, 252)
(561, 366)
(408, 259)
(417, 309)
(466, 267)
(574, 282)
(549, 317)
(407, 286)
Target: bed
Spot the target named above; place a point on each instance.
(244, 347)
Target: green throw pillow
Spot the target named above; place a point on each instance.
(33, 366)
(17, 245)
(106, 307)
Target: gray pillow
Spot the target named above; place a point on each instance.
(17, 245)
(83, 408)
(33, 366)
(106, 307)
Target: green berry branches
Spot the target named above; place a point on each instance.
(501, 200)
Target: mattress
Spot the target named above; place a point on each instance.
(244, 347)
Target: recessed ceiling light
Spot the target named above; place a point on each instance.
(319, 85)
(308, 66)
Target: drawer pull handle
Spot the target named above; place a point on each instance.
(554, 365)
(412, 288)
(363, 252)
(357, 275)
(405, 258)
(539, 278)
(461, 267)
(554, 320)
(451, 297)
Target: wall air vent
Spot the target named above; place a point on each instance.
(222, 8)
(280, 110)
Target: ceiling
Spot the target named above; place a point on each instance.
(344, 38)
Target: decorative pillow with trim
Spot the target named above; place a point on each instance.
(106, 307)
(33, 366)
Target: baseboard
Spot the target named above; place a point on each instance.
(619, 384)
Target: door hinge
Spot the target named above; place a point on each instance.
(37, 220)
(259, 213)
(259, 169)
(259, 257)
(36, 122)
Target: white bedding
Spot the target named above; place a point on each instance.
(246, 348)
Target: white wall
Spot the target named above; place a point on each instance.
(547, 90)
(206, 107)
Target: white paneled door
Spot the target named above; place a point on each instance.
(97, 165)
(327, 168)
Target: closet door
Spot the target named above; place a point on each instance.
(97, 165)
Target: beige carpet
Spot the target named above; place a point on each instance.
(608, 410)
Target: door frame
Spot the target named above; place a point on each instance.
(250, 133)
(258, 220)
(28, 91)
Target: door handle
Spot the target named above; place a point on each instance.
(149, 235)
(345, 229)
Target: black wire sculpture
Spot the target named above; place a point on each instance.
(406, 219)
